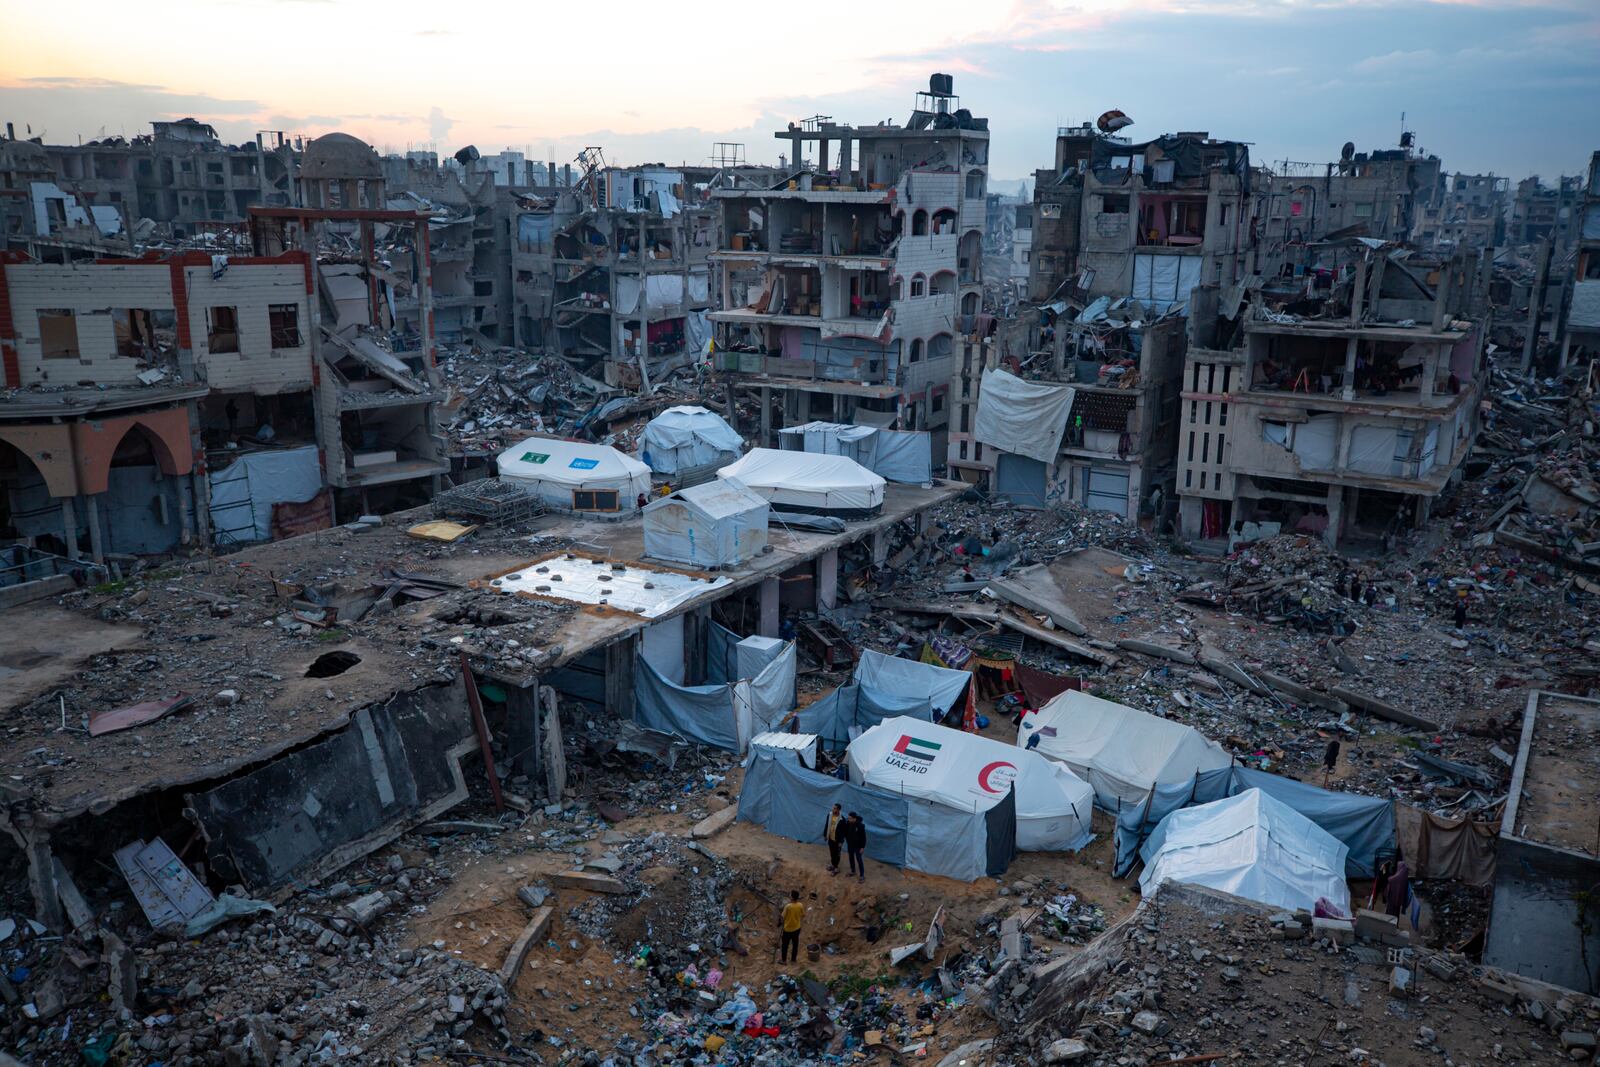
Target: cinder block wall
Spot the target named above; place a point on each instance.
(92, 292)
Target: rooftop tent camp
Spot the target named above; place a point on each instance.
(1123, 753)
(1251, 845)
(785, 798)
(576, 475)
(898, 455)
(686, 436)
(720, 523)
(943, 688)
(915, 758)
(810, 483)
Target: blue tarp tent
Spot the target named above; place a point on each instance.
(850, 710)
(942, 687)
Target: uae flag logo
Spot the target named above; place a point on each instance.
(916, 748)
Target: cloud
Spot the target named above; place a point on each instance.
(438, 125)
(435, 33)
(62, 81)
(291, 122)
(1398, 60)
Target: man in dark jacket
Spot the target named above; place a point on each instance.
(855, 842)
(833, 834)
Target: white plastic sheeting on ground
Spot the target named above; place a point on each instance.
(714, 524)
(687, 436)
(1251, 845)
(942, 687)
(967, 771)
(645, 592)
(898, 455)
(1122, 752)
(807, 482)
(559, 471)
(242, 493)
(1021, 417)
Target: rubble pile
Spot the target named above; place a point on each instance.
(1194, 977)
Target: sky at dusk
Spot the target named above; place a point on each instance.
(1508, 86)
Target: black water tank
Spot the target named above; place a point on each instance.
(941, 85)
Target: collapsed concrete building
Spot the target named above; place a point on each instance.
(844, 288)
(188, 398)
(1580, 337)
(1344, 417)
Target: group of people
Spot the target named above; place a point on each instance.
(843, 833)
(1356, 586)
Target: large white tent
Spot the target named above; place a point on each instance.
(1251, 845)
(688, 436)
(1122, 752)
(714, 524)
(809, 482)
(915, 758)
(576, 475)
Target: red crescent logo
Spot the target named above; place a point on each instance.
(983, 775)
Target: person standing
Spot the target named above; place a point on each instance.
(855, 842)
(794, 914)
(1461, 609)
(833, 834)
(1330, 761)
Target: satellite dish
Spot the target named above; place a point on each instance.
(467, 155)
(1112, 121)
(1348, 152)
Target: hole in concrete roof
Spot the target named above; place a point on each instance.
(331, 663)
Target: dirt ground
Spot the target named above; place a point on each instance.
(581, 988)
(1563, 777)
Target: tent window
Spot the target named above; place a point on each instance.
(594, 500)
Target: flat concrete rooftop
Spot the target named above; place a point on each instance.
(1558, 771)
(229, 623)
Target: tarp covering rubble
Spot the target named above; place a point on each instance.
(962, 770)
(1363, 824)
(720, 523)
(688, 436)
(725, 714)
(556, 471)
(243, 493)
(1251, 845)
(808, 482)
(1122, 752)
(1022, 417)
(898, 455)
(786, 799)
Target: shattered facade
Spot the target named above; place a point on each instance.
(845, 288)
(1580, 338)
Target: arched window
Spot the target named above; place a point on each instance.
(919, 285)
(944, 221)
(916, 351)
(919, 223)
(969, 304)
(943, 281)
(940, 346)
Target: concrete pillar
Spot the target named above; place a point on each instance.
(69, 527)
(522, 727)
(1348, 382)
(880, 547)
(769, 620)
(1430, 371)
(844, 159)
(91, 504)
(619, 677)
(1330, 536)
(42, 880)
(828, 579)
(766, 417)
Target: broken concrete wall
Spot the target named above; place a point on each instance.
(312, 811)
(1545, 922)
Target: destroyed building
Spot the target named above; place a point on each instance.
(1148, 221)
(1345, 417)
(1580, 338)
(844, 288)
(1541, 212)
(1370, 194)
(189, 398)
(181, 176)
(1468, 211)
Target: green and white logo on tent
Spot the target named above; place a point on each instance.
(535, 457)
(913, 754)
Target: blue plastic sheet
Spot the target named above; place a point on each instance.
(849, 709)
(699, 713)
(793, 802)
(1363, 824)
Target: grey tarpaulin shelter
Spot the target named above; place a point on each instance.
(850, 710)
(897, 455)
(787, 799)
(732, 709)
(718, 523)
(686, 436)
(943, 688)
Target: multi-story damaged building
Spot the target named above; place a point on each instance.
(1467, 212)
(1546, 212)
(1581, 336)
(1345, 420)
(844, 288)
(1148, 221)
(188, 396)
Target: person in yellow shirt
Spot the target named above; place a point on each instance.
(794, 914)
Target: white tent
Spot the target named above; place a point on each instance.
(714, 524)
(915, 758)
(808, 482)
(897, 455)
(687, 436)
(1122, 752)
(1251, 845)
(576, 475)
